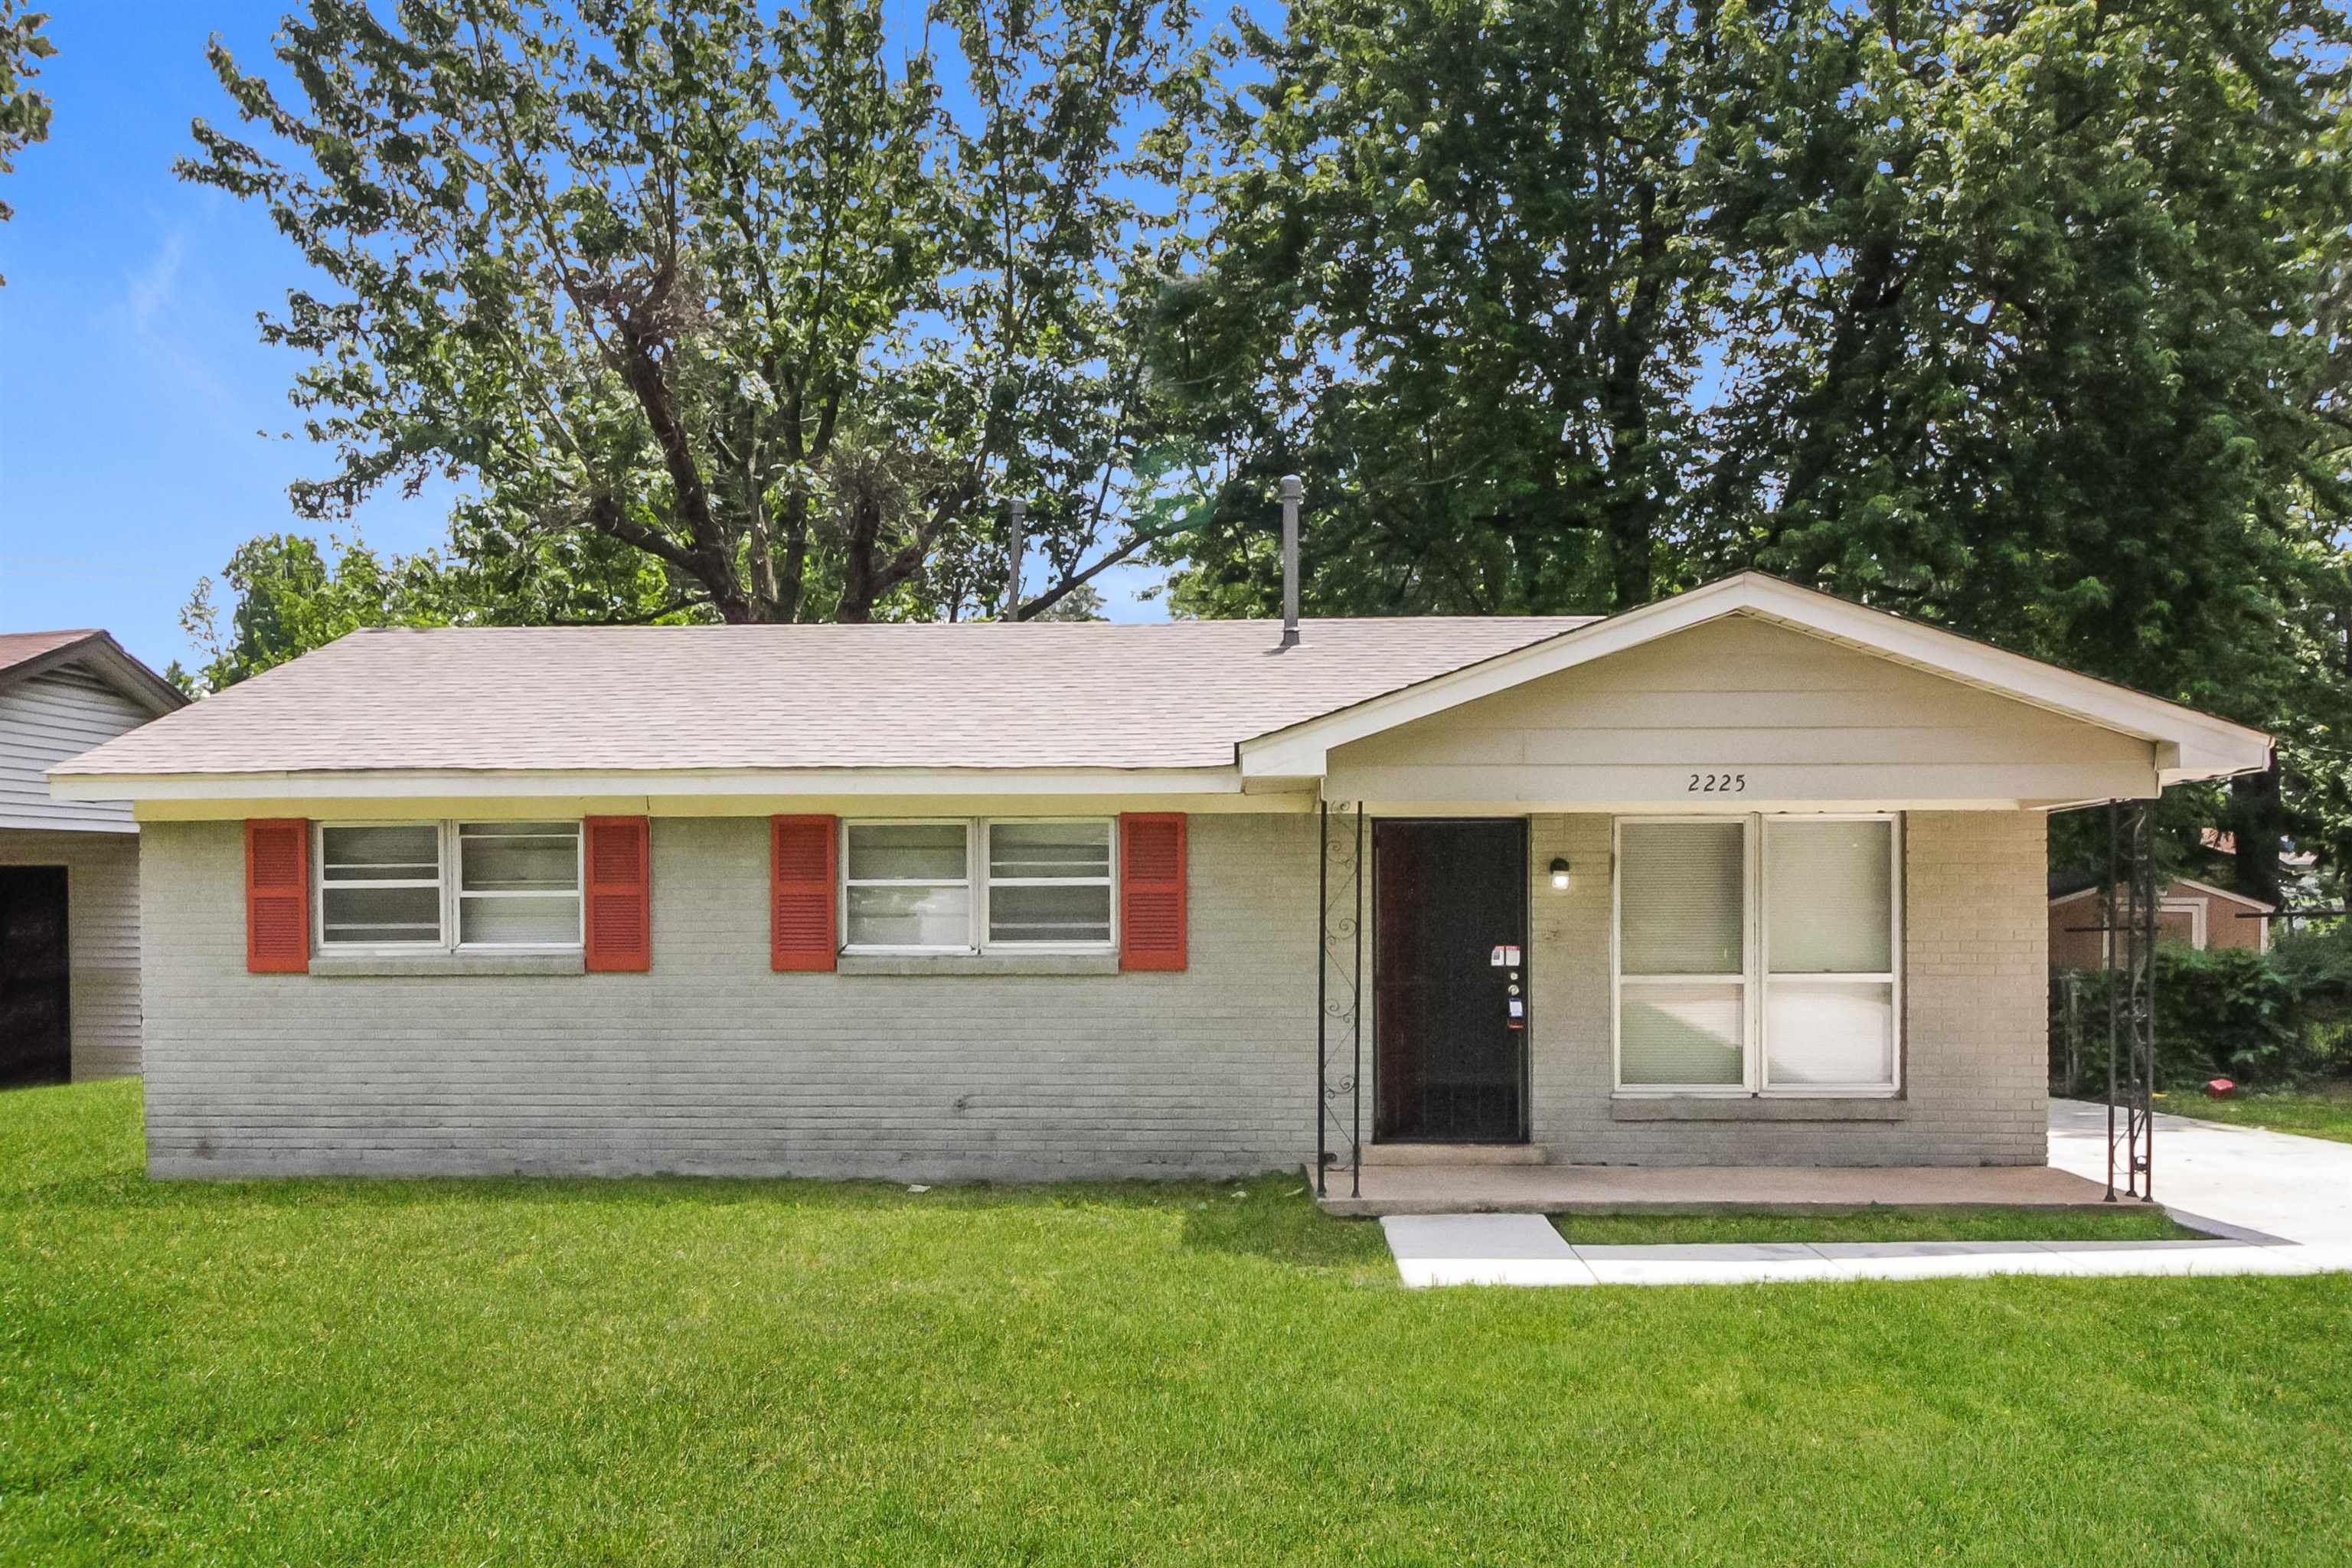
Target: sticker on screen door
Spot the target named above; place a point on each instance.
(1504, 958)
(1518, 1014)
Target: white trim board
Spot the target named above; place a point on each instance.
(2190, 745)
(648, 784)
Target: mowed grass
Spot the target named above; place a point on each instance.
(2125, 1221)
(676, 1372)
(2313, 1113)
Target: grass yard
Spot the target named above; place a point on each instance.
(658, 1372)
(2124, 1222)
(2313, 1114)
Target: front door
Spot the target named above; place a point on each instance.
(33, 1021)
(1449, 1021)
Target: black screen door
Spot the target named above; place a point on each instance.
(34, 1017)
(1451, 1046)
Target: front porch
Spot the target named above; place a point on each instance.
(1526, 1188)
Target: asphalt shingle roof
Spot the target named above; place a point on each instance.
(22, 647)
(981, 695)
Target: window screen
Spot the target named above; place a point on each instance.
(1679, 897)
(380, 887)
(519, 884)
(1049, 884)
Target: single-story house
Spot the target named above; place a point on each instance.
(1747, 876)
(68, 868)
(2189, 913)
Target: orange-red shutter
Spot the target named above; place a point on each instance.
(620, 896)
(278, 897)
(801, 856)
(1152, 891)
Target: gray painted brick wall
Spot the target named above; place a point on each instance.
(712, 1064)
(1975, 1019)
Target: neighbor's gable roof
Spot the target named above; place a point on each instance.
(611, 699)
(25, 654)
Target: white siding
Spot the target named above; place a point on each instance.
(102, 932)
(1801, 721)
(60, 713)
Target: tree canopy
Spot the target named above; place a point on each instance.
(720, 309)
(2025, 318)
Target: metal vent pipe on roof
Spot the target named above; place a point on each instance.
(1016, 514)
(1294, 491)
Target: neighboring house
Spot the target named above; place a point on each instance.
(68, 868)
(1747, 876)
(2189, 913)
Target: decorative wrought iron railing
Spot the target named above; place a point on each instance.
(1340, 992)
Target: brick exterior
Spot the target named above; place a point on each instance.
(1976, 1021)
(713, 1063)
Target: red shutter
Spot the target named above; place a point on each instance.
(801, 856)
(278, 897)
(1152, 891)
(620, 896)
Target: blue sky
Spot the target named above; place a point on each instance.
(132, 383)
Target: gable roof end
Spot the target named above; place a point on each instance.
(25, 654)
(2190, 745)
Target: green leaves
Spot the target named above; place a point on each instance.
(725, 288)
(25, 114)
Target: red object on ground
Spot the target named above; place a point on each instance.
(2219, 1088)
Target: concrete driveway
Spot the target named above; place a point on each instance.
(2275, 1183)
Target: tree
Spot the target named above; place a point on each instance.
(729, 294)
(1457, 276)
(24, 114)
(2025, 321)
(290, 600)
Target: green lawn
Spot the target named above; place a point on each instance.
(2314, 1113)
(2123, 1221)
(689, 1372)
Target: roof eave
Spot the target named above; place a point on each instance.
(266, 787)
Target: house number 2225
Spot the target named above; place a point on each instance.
(1718, 783)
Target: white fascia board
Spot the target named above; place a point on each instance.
(461, 784)
(2191, 746)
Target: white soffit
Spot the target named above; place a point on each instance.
(2189, 744)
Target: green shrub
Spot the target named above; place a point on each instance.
(2268, 1019)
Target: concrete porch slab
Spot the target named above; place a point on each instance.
(1695, 1189)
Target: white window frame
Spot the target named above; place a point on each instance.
(448, 847)
(1108, 882)
(970, 883)
(320, 941)
(455, 875)
(978, 880)
(1755, 978)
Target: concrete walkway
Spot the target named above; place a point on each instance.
(2279, 1203)
(1525, 1249)
(2274, 1183)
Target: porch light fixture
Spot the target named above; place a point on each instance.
(1559, 874)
